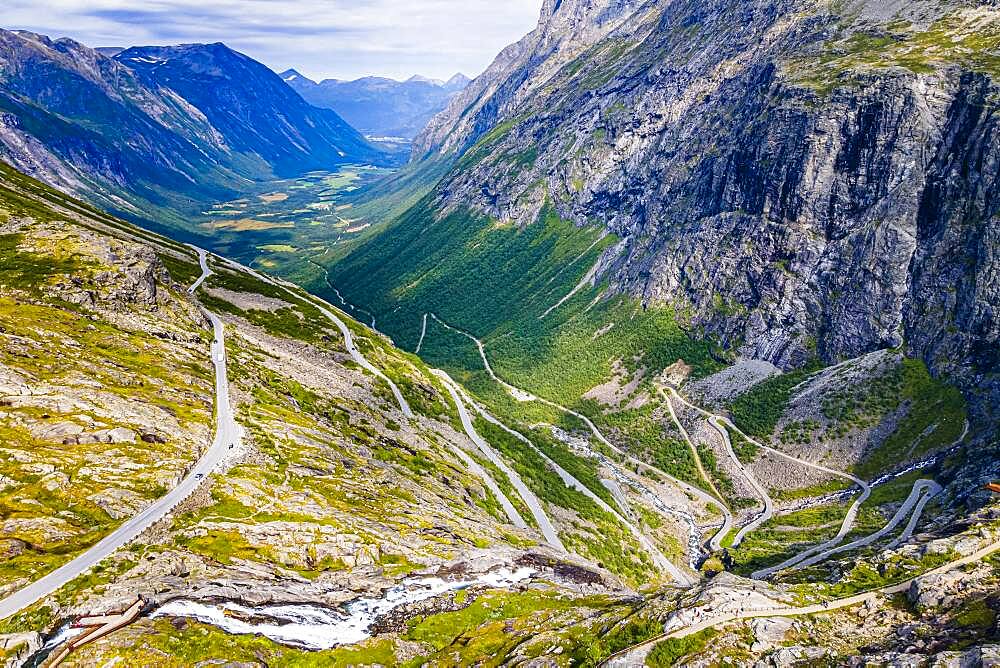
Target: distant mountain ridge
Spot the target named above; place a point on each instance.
(378, 106)
(255, 111)
(154, 132)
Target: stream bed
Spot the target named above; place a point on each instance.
(317, 627)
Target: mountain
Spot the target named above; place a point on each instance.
(416, 78)
(750, 245)
(158, 142)
(342, 475)
(700, 299)
(458, 82)
(355, 514)
(251, 107)
(817, 184)
(377, 106)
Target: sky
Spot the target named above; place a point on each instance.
(338, 39)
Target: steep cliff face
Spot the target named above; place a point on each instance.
(803, 179)
(565, 29)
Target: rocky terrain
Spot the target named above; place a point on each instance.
(341, 491)
(105, 400)
(704, 311)
(804, 179)
(781, 210)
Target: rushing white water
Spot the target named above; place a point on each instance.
(318, 628)
(888, 477)
(919, 466)
(67, 632)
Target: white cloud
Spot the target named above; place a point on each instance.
(321, 38)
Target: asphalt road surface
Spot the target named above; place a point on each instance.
(636, 655)
(529, 498)
(227, 433)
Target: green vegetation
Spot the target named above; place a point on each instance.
(744, 449)
(959, 38)
(290, 219)
(864, 575)
(784, 536)
(34, 618)
(573, 349)
(758, 411)
(862, 405)
(646, 438)
(300, 320)
(600, 535)
(632, 632)
(487, 143)
(435, 266)
(101, 368)
(670, 652)
(935, 418)
(224, 546)
(799, 432)
(444, 630)
(424, 264)
(160, 376)
(584, 470)
(182, 272)
(28, 271)
(821, 489)
(976, 614)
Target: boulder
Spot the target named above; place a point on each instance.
(16, 648)
(769, 632)
(931, 591)
(788, 657)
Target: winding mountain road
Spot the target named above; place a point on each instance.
(911, 526)
(227, 434)
(512, 514)
(525, 396)
(728, 520)
(529, 498)
(768, 512)
(849, 519)
(340, 296)
(923, 491)
(659, 560)
(360, 359)
(324, 307)
(636, 655)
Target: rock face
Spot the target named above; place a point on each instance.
(16, 648)
(566, 28)
(805, 180)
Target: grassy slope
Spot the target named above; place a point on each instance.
(49, 519)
